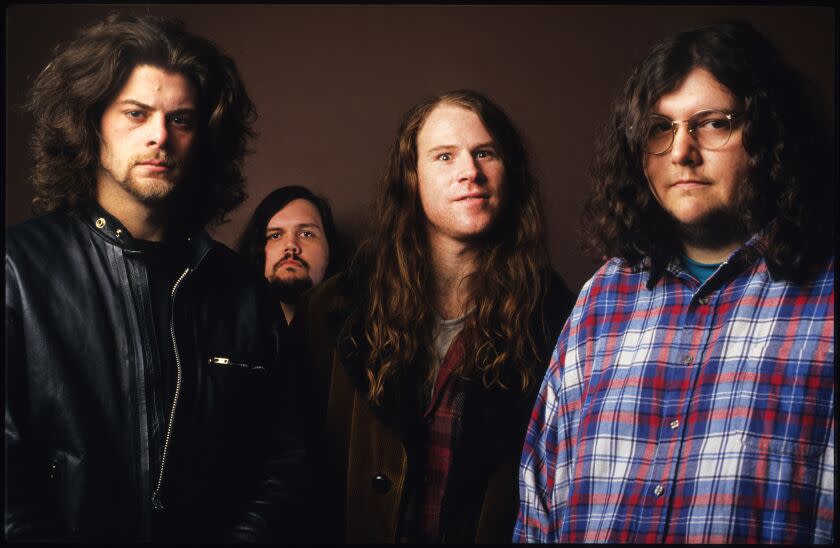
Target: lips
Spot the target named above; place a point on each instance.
(473, 196)
(292, 260)
(685, 183)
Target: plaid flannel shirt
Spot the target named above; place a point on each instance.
(443, 420)
(686, 412)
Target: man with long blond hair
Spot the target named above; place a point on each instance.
(430, 346)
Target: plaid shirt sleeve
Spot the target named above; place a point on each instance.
(544, 469)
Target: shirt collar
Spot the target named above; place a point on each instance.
(745, 255)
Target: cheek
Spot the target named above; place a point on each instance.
(322, 254)
(270, 259)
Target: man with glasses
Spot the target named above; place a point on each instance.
(690, 397)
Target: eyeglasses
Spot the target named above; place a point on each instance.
(710, 128)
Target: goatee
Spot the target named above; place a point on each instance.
(289, 291)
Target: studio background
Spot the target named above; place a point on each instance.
(331, 82)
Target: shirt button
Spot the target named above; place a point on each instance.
(688, 359)
(658, 490)
(675, 424)
(704, 300)
(381, 484)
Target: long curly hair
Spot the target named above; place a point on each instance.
(70, 95)
(788, 186)
(505, 290)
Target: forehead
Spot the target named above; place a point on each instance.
(294, 213)
(157, 87)
(449, 124)
(699, 90)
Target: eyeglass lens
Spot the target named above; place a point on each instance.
(711, 129)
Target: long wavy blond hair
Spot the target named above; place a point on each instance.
(395, 276)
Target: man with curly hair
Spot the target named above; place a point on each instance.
(141, 371)
(690, 397)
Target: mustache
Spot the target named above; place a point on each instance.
(163, 158)
(288, 256)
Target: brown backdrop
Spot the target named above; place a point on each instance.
(330, 83)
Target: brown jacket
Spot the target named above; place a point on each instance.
(366, 454)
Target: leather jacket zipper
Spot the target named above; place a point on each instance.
(156, 502)
(218, 360)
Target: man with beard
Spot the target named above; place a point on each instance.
(141, 393)
(292, 241)
(690, 397)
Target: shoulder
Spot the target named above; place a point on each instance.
(40, 227)
(43, 237)
(327, 305)
(615, 275)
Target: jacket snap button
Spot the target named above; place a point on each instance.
(381, 484)
(100, 222)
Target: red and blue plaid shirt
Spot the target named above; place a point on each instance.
(686, 412)
(443, 419)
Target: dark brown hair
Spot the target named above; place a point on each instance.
(788, 183)
(252, 241)
(397, 315)
(71, 93)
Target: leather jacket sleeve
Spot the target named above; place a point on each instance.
(27, 515)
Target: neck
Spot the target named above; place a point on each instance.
(143, 221)
(710, 255)
(288, 312)
(452, 262)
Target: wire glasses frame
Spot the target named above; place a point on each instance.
(711, 129)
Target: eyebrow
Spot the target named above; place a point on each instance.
(726, 110)
(301, 225)
(149, 107)
(488, 144)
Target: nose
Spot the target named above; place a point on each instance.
(684, 149)
(158, 132)
(291, 245)
(469, 169)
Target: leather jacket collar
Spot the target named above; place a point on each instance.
(109, 228)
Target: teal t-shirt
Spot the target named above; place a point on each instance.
(701, 271)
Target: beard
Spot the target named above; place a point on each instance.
(716, 229)
(289, 291)
(147, 189)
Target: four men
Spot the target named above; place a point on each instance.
(689, 397)
(691, 394)
(140, 367)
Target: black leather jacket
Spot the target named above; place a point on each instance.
(81, 383)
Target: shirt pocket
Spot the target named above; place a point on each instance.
(790, 400)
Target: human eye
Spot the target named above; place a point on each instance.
(272, 236)
(135, 114)
(659, 126)
(444, 156)
(182, 120)
(711, 121)
(307, 234)
(485, 153)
